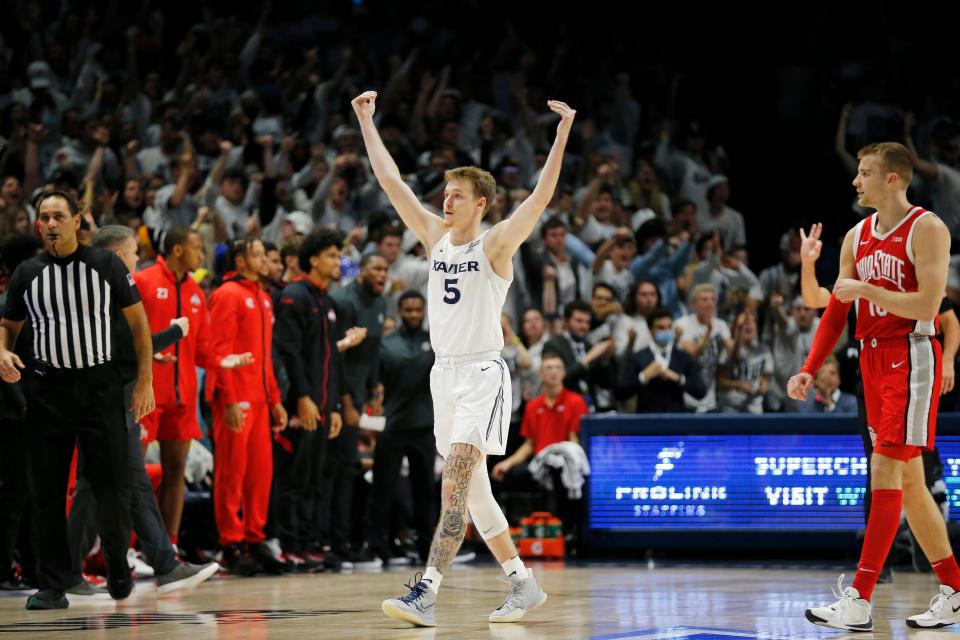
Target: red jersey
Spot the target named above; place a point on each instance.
(163, 300)
(886, 260)
(549, 425)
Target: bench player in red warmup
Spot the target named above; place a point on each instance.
(893, 266)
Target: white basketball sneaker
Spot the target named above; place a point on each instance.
(850, 612)
(944, 610)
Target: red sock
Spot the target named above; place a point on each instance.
(173, 539)
(881, 530)
(948, 572)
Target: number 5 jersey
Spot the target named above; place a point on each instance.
(464, 299)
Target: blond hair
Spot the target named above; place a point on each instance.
(484, 184)
(894, 158)
(703, 287)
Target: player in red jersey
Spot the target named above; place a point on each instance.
(893, 266)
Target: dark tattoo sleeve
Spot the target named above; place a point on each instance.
(457, 473)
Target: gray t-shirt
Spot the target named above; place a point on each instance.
(730, 225)
(752, 363)
(946, 197)
(170, 216)
(691, 329)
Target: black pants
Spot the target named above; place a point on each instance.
(14, 494)
(64, 407)
(339, 471)
(144, 511)
(420, 448)
(298, 461)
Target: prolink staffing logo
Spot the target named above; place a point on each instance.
(667, 457)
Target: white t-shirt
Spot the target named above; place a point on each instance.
(752, 363)
(621, 334)
(464, 299)
(594, 232)
(620, 280)
(566, 282)
(693, 330)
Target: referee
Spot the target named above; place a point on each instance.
(73, 294)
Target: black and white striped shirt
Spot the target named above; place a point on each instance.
(72, 303)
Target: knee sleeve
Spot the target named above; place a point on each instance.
(487, 515)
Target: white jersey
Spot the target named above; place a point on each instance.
(464, 299)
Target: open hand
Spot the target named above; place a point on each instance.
(237, 360)
(566, 117)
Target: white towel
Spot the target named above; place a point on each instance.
(572, 461)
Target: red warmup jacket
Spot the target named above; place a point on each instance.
(164, 299)
(241, 320)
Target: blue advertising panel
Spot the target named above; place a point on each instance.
(689, 474)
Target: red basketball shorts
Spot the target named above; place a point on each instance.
(172, 422)
(901, 388)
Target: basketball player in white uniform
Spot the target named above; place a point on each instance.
(470, 272)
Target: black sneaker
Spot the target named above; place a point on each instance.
(120, 588)
(237, 560)
(332, 561)
(47, 599)
(886, 575)
(365, 559)
(303, 563)
(14, 584)
(84, 591)
(266, 561)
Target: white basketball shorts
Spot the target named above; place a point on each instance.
(471, 402)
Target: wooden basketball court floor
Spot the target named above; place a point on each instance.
(603, 602)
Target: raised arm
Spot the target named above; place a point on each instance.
(427, 227)
(507, 236)
(832, 323)
(925, 167)
(814, 296)
(840, 141)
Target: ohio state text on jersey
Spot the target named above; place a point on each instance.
(886, 260)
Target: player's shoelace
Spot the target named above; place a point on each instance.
(417, 589)
(844, 600)
(515, 597)
(939, 606)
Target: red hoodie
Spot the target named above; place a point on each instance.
(241, 320)
(164, 300)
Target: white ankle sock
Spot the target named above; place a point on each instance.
(515, 566)
(433, 578)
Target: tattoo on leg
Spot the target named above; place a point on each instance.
(457, 473)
